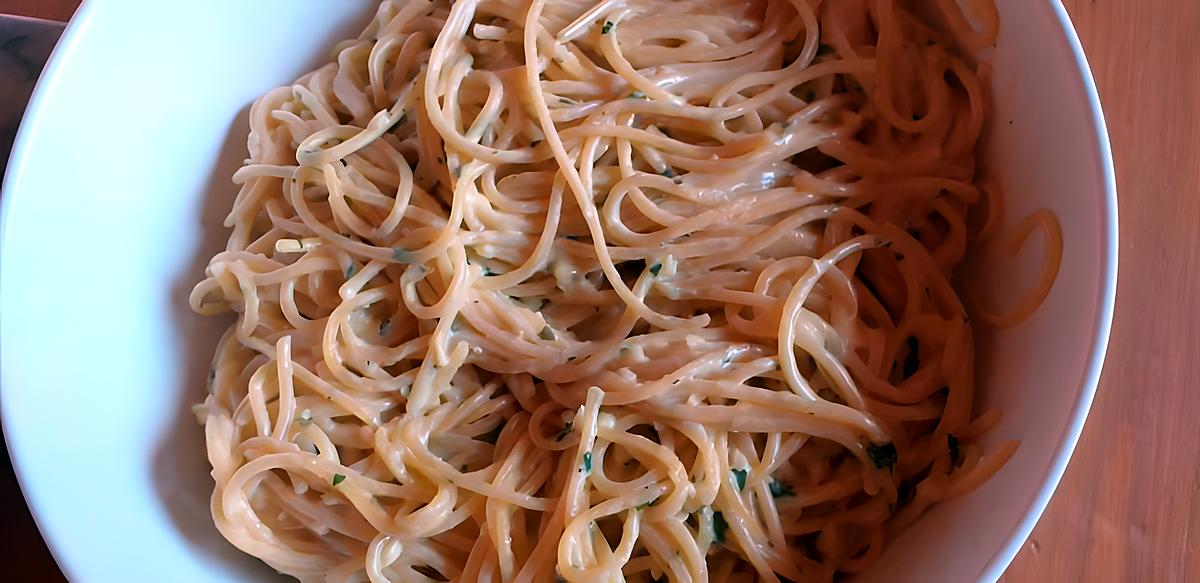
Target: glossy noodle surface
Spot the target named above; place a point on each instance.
(637, 290)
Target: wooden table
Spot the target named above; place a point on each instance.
(1129, 506)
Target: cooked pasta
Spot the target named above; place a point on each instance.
(628, 290)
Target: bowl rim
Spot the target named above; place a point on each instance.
(1102, 325)
(1106, 302)
(67, 43)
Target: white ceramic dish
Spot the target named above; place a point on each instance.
(113, 201)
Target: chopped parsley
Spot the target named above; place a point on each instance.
(402, 255)
(638, 94)
(780, 490)
(739, 478)
(719, 527)
(385, 326)
(608, 26)
(883, 456)
(650, 503)
(952, 444)
(654, 269)
(547, 333)
(566, 430)
(668, 172)
(587, 461)
(338, 479)
(350, 271)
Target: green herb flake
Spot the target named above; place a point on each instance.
(350, 271)
(883, 455)
(649, 504)
(587, 461)
(608, 26)
(637, 95)
(739, 478)
(780, 490)
(493, 435)
(338, 479)
(385, 326)
(654, 269)
(952, 444)
(402, 255)
(668, 172)
(719, 527)
(547, 333)
(566, 430)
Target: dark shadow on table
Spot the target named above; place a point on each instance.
(25, 44)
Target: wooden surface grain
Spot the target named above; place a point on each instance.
(48, 9)
(1128, 508)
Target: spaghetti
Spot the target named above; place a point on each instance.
(628, 290)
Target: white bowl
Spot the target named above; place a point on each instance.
(112, 205)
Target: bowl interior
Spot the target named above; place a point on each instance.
(113, 203)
